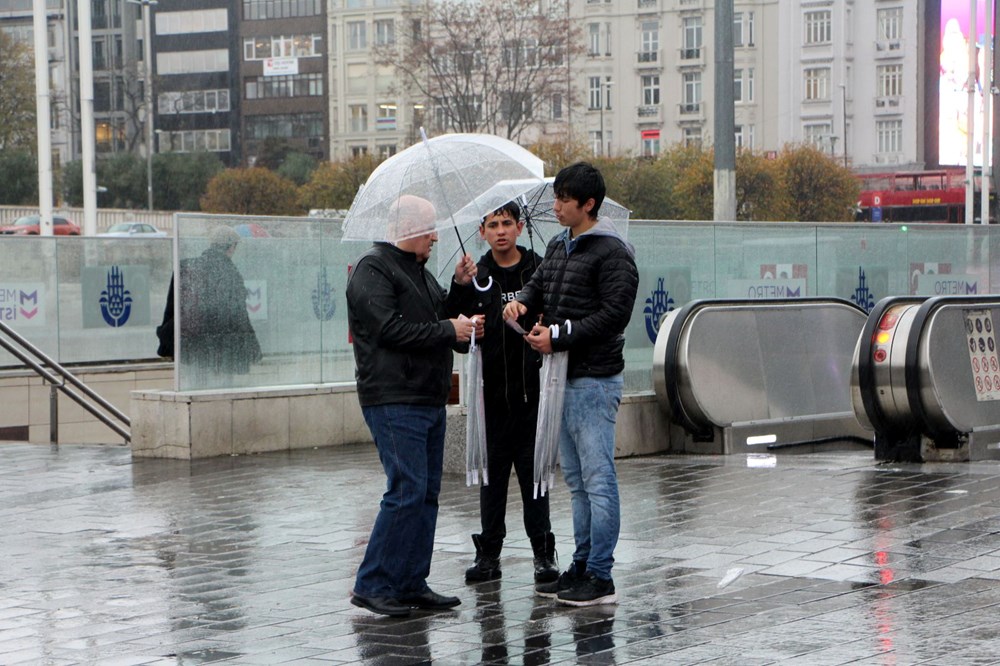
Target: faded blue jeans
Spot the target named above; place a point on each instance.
(587, 456)
(410, 443)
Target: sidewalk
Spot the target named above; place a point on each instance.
(801, 559)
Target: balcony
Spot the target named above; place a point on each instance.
(646, 59)
(889, 48)
(690, 55)
(649, 113)
(689, 108)
(648, 5)
(888, 104)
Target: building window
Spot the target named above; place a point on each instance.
(818, 134)
(594, 39)
(692, 38)
(890, 80)
(743, 85)
(192, 62)
(890, 136)
(744, 136)
(651, 89)
(357, 35)
(692, 136)
(595, 142)
(650, 41)
(192, 21)
(385, 32)
(385, 151)
(742, 29)
(286, 126)
(594, 89)
(359, 117)
(691, 93)
(282, 46)
(256, 10)
(385, 117)
(191, 141)
(890, 23)
(359, 151)
(817, 83)
(650, 147)
(192, 101)
(556, 105)
(293, 85)
(818, 27)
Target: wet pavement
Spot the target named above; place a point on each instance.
(801, 559)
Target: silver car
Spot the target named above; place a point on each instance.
(133, 230)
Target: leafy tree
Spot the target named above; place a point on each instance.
(297, 167)
(334, 184)
(180, 179)
(817, 187)
(271, 152)
(253, 191)
(651, 192)
(124, 177)
(759, 194)
(559, 154)
(694, 187)
(19, 175)
(492, 66)
(17, 95)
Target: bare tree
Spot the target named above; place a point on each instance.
(495, 66)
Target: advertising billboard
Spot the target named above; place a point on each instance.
(954, 73)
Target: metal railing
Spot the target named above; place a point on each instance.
(57, 378)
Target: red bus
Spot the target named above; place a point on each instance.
(915, 196)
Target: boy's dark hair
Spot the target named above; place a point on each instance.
(511, 208)
(581, 181)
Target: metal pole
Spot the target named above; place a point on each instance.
(843, 88)
(147, 55)
(88, 141)
(53, 414)
(970, 144)
(725, 115)
(984, 205)
(43, 114)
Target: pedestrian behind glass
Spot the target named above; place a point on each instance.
(586, 289)
(510, 396)
(403, 348)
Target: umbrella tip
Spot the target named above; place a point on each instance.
(423, 134)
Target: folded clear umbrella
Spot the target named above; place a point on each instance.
(552, 381)
(476, 465)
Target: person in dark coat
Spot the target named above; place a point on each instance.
(586, 288)
(510, 398)
(403, 352)
(217, 338)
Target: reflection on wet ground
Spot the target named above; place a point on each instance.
(810, 559)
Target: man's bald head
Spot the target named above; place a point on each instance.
(410, 216)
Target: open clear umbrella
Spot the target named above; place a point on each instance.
(536, 211)
(454, 172)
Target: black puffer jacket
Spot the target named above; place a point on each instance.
(402, 340)
(510, 366)
(590, 281)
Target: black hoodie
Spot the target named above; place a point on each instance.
(510, 366)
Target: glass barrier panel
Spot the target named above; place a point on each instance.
(765, 261)
(947, 260)
(861, 263)
(338, 256)
(29, 301)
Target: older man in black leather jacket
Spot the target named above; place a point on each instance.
(403, 344)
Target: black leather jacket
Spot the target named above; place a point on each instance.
(402, 340)
(592, 282)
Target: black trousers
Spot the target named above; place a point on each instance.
(510, 444)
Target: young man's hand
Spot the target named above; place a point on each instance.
(514, 309)
(463, 328)
(540, 339)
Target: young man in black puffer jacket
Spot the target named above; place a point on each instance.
(510, 397)
(586, 289)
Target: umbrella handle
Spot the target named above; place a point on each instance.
(489, 284)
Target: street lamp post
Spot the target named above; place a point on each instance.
(605, 97)
(147, 56)
(843, 90)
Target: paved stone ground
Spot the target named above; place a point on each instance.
(249, 561)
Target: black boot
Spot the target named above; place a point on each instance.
(546, 560)
(487, 564)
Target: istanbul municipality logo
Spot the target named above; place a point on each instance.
(322, 297)
(658, 304)
(116, 300)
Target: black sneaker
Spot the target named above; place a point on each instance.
(589, 591)
(565, 581)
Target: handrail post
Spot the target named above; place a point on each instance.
(53, 414)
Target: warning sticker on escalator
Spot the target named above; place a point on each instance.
(982, 345)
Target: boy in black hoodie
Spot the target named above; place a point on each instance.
(510, 396)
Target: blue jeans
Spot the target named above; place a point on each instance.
(410, 443)
(587, 456)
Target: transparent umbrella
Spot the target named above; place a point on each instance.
(476, 466)
(456, 173)
(552, 383)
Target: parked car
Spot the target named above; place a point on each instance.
(28, 226)
(133, 230)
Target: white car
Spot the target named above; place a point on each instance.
(133, 230)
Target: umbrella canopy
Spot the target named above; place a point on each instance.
(536, 211)
(454, 172)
